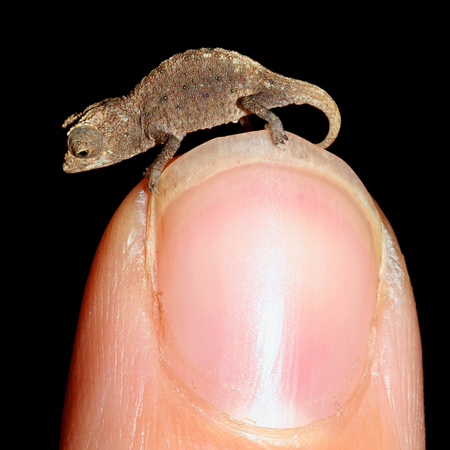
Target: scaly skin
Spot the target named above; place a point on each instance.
(190, 91)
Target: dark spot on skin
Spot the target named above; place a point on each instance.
(163, 98)
(184, 87)
(217, 78)
(206, 95)
(270, 81)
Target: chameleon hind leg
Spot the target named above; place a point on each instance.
(252, 104)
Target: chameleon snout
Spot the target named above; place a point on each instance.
(69, 165)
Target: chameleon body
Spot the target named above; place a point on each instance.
(193, 90)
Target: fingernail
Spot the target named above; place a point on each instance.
(267, 272)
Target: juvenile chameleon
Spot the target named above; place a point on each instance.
(193, 90)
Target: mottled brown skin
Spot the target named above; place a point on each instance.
(190, 91)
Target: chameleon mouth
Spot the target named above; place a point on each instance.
(76, 165)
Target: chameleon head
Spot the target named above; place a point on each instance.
(105, 133)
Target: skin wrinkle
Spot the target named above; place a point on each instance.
(399, 342)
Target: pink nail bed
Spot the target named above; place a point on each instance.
(268, 276)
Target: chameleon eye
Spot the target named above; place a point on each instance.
(85, 142)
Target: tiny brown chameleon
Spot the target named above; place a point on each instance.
(190, 91)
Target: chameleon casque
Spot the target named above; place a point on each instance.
(193, 90)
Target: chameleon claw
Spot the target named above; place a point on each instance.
(279, 137)
(152, 187)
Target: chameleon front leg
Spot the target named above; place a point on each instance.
(252, 104)
(153, 172)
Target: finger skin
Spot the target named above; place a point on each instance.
(122, 393)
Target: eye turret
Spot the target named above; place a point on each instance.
(85, 142)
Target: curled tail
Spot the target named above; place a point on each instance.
(317, 97)
(300, 92)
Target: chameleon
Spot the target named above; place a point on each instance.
(194, 90)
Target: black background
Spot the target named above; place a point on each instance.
(381, 68)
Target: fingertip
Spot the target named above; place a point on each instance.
(126, 378)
